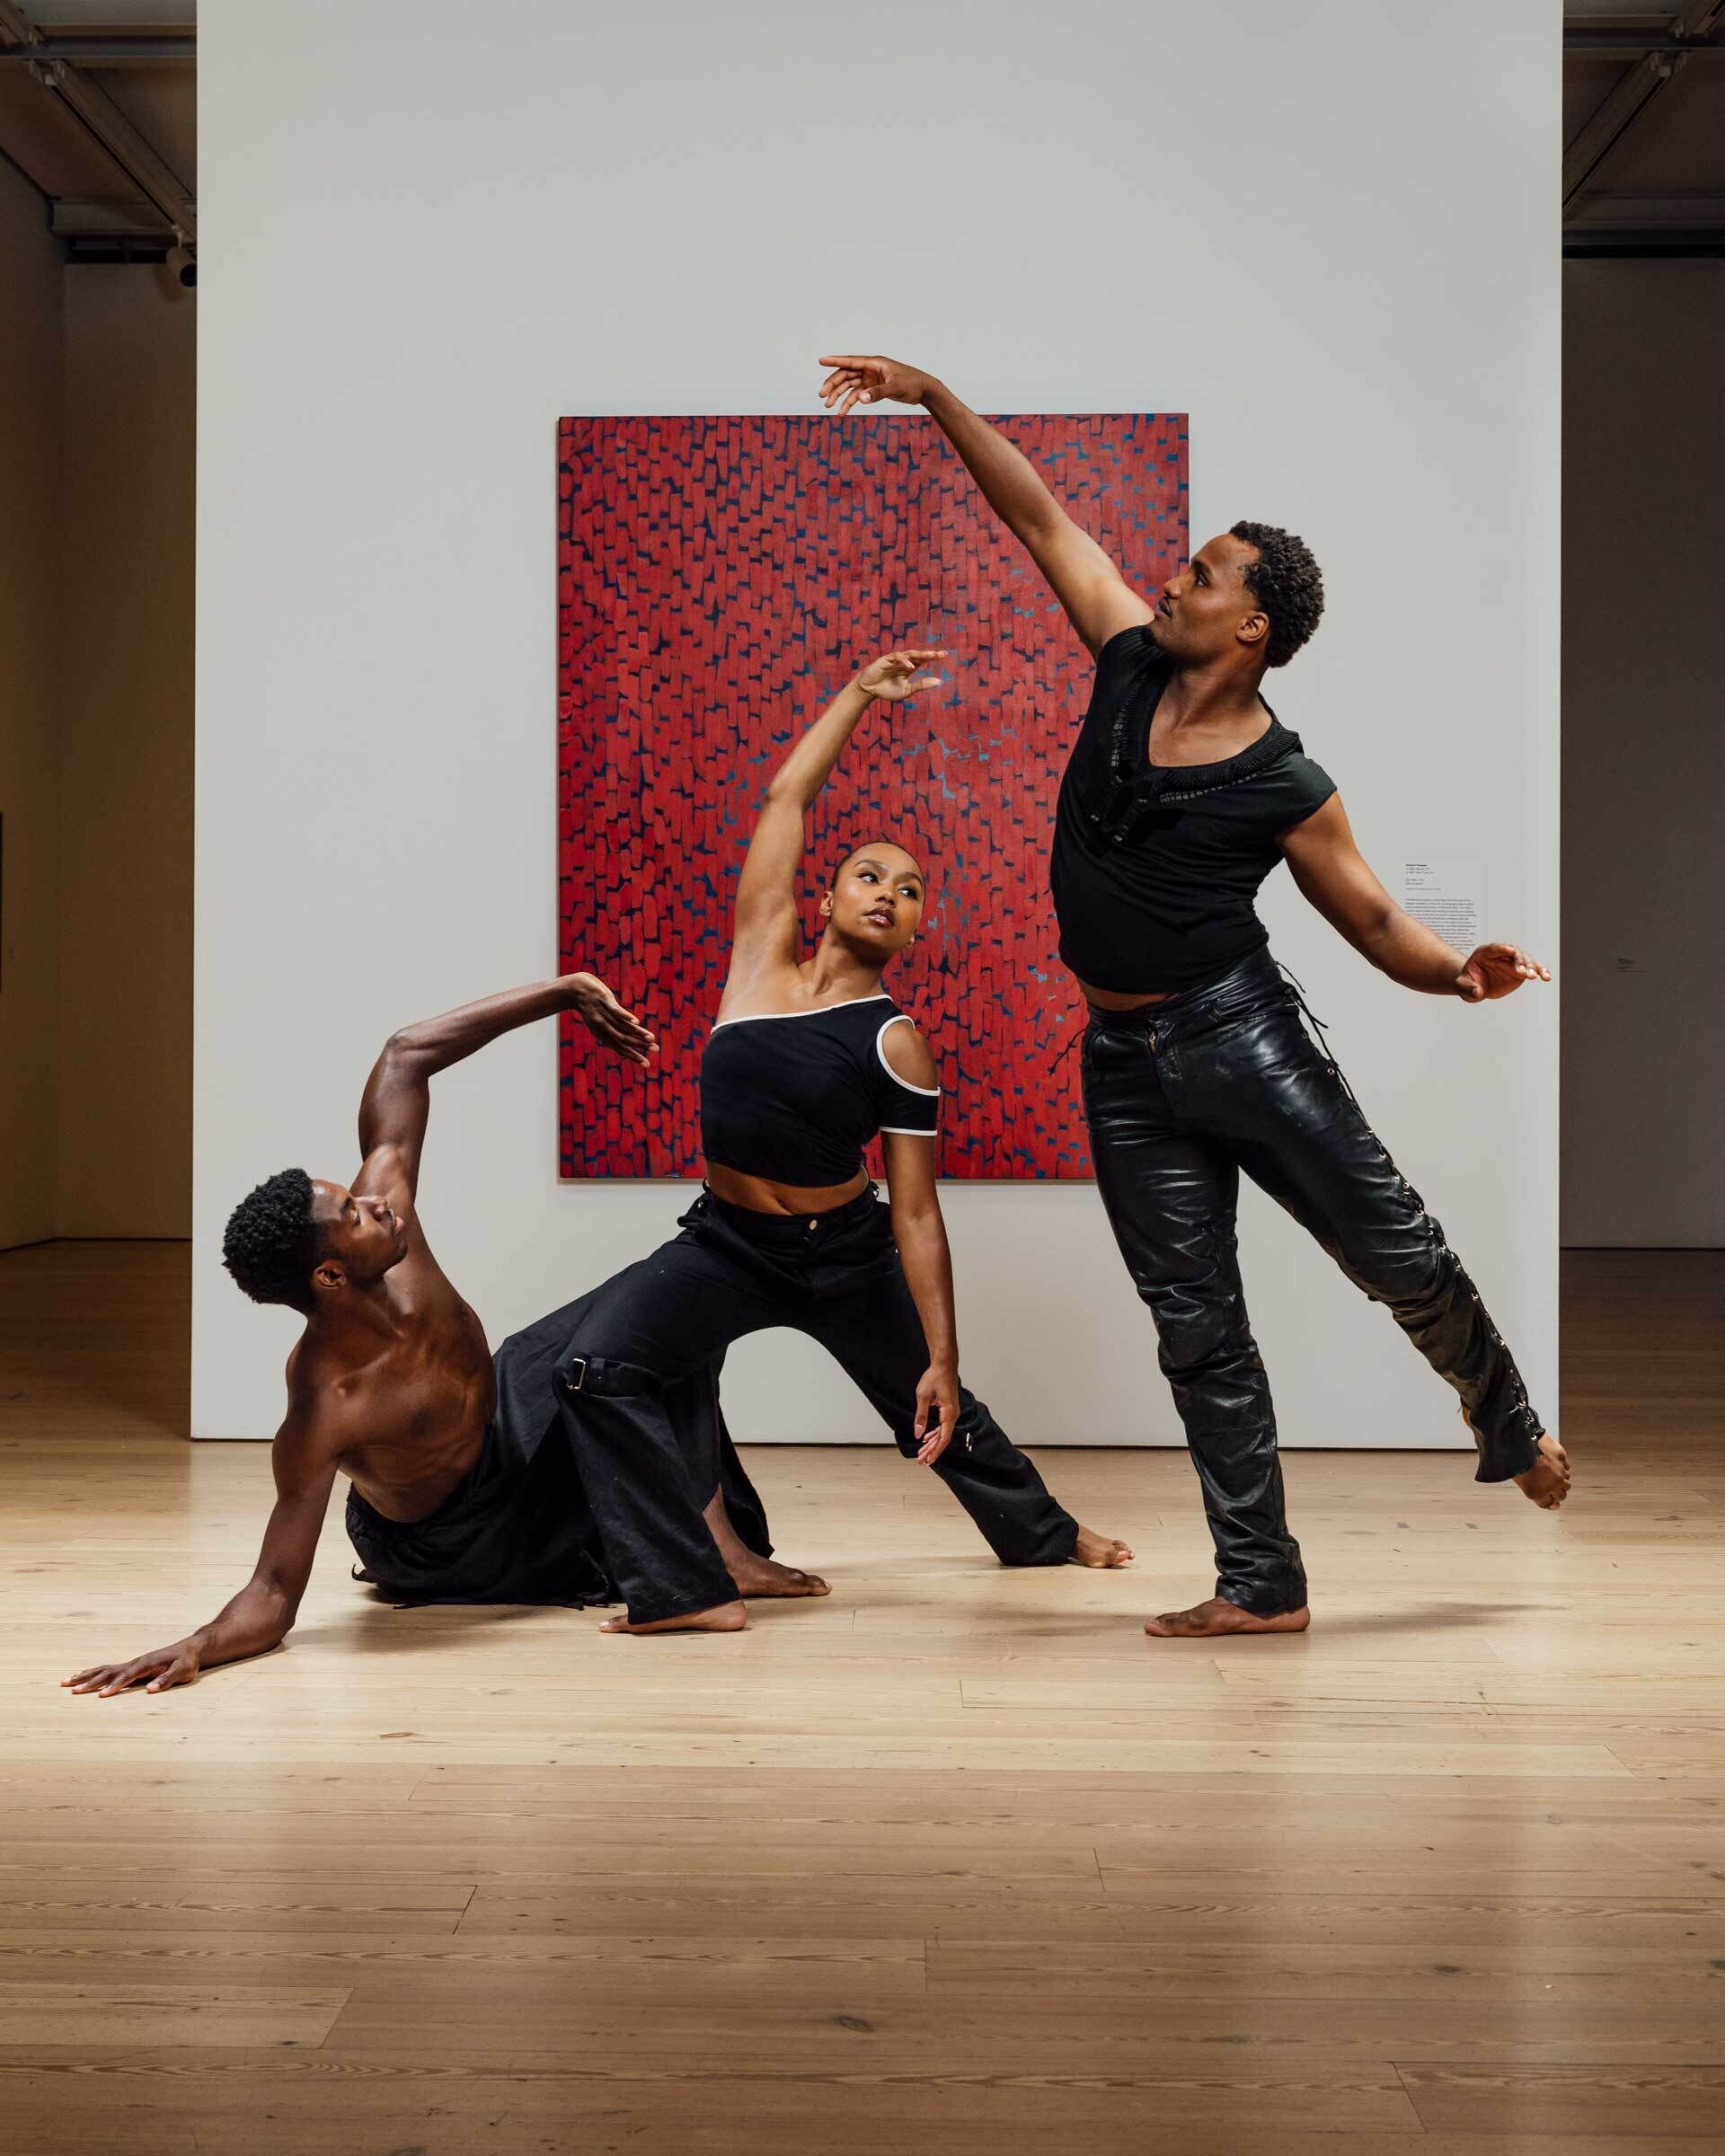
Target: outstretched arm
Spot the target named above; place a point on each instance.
(1333, 875)
(1098, 600)
(262, 1612)
(766, 918)
(397, 1098)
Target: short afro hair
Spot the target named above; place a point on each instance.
(1286, 582)
(272, 1242)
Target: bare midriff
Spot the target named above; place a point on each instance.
(1106, 999)
(756, 1194)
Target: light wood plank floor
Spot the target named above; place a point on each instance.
(955, 1859)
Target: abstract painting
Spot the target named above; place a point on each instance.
(719, 581)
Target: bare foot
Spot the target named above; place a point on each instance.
(758, 1577)
(1097, 1552)
(753, 1576)
(728, 1617)
(1547, 1482)
(1216, 1619)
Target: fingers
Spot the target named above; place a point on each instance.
(621, 1030)
(937, 1439)
(87, 1680)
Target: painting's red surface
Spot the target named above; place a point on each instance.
(718, 580)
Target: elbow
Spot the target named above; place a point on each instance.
(1375, 934)
(405, 1054)
(916, 1217)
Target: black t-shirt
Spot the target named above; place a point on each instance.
(1155, 867)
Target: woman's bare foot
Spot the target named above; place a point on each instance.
(1547, 1481)
(728, 1617)
(1098, 1553)
(1216, 1619)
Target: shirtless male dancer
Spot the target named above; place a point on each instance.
(1183, 792)
(463, 1487)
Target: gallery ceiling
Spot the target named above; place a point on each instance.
(99, 112)
(98, 109)
(1644, 130)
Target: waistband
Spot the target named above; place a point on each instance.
(780, 1230)
(1257, 970)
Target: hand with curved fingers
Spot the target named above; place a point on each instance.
(868, 378)
(1497, 969)
(937, 1411)
(896, 676)
(159, 1671)
(607, 1020)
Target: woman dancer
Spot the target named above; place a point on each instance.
(807, 1060)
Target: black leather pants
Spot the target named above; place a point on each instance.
(1180, 1097)
(833, 1276)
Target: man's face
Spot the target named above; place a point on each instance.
(1207, 611)
(362, 1236)
(877, 899)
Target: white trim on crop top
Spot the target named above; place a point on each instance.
(929, 1092)
(754, 1018)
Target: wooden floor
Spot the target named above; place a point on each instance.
(957, 1861)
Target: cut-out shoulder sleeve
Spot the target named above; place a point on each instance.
(908, 1094)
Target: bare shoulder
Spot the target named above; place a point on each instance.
(907, 1056)
(761, 983)
(312, 1437)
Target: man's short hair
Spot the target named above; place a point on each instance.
(272, 1242)
(1286, 582)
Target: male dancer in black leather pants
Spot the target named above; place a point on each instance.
(1182, 793)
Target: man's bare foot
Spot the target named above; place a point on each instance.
(1216, 1619)
(1547, 1481)
(727, 1617)
(760, 1578)
(753, 1576)
(1098, 1553)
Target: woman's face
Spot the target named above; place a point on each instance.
(876, 900)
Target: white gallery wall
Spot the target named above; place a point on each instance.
(1327, 232)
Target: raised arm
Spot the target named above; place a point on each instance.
(1334, 875)
(1098, 600)
(764, 924)
(397, 1098)
(261, 1614)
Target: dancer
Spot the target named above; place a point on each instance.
(463, 1489)
(807, 1060)
(1183, 792)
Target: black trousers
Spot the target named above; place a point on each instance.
(835, 1277)
(517, 1527)
(1181, 1097)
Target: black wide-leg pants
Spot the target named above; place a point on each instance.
(835, 1277)
(1181, 1096)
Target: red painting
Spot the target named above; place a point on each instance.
(719, 580)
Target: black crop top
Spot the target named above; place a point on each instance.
(1156, 866)
(796, 1097)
